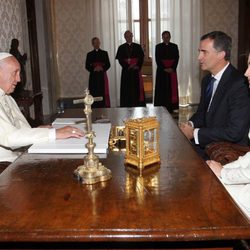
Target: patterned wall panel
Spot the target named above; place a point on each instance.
(72, 39)
(222, 15)
(13, 25)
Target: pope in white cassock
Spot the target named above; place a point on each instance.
(15, 131)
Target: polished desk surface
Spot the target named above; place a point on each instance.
(181, 201)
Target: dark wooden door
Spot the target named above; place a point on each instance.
(34, 58)
(244, 34)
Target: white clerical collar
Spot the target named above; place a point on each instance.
(2, 93)
(96, 50)
(220, 73)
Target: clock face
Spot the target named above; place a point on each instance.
(149, 141)
(142, 142)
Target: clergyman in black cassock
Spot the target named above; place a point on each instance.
(130, 56)
(97, 63)
(166, 87)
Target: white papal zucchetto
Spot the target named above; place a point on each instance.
(4, 55)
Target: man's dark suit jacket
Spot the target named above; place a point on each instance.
(228, 116)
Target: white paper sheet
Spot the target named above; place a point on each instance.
(74, 145)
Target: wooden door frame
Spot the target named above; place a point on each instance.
(34, 59)
(244, 34)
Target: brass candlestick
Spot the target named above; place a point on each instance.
(92, 171)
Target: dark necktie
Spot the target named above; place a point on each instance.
(209, 91)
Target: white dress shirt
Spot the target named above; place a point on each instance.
(15, 131)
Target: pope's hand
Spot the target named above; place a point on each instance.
(69, 132)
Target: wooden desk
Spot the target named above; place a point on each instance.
(183, 201)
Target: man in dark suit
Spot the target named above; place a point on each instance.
(224, 108)
(166, 86)
(97, 63)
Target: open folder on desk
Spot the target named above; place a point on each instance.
(75, 145)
